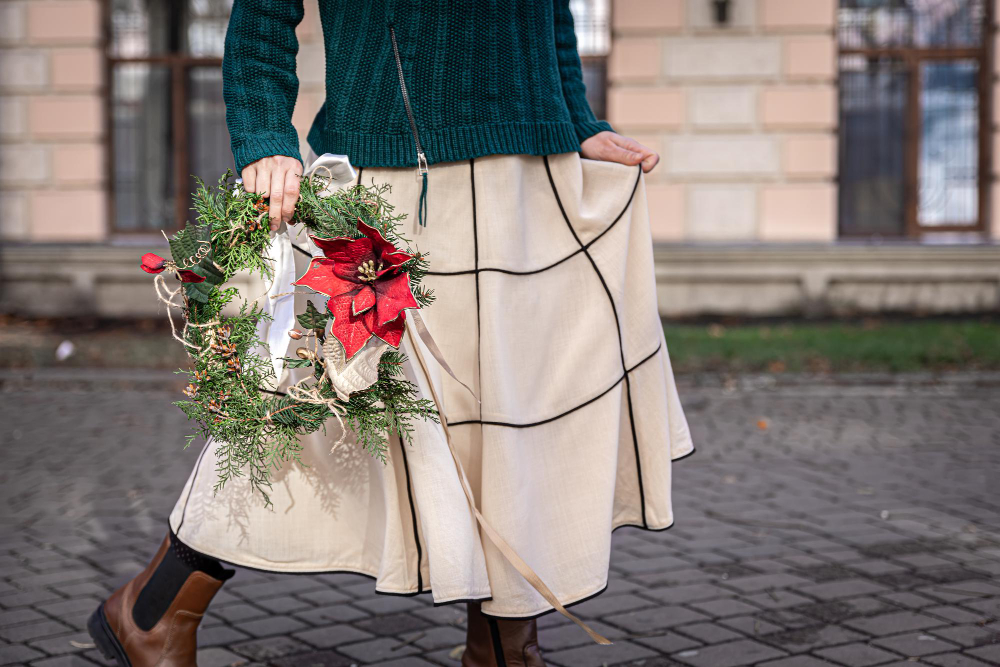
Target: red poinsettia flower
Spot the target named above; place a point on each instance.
(152, 263)
(368, 293)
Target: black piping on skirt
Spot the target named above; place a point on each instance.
(413, 516)
(479, 269)
(618, 328)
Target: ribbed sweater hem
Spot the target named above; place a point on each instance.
(448, 145)
(254, 147)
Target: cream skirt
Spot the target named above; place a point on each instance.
(546, 307)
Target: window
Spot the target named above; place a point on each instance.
(593, 37)
(913, 123)
(168, 120)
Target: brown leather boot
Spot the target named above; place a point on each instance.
(172, 641)
(500, 642)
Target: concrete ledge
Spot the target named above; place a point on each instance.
(827, 279)
(747, 280)
(50, 280)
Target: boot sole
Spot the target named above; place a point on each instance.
(105, 639)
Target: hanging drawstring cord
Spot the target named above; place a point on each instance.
(422, 204)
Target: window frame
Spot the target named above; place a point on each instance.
(179, 65)
(913, 57)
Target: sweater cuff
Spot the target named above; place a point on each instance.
(590, 128)
(251, 149)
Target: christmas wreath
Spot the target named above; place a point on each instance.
(349, 350)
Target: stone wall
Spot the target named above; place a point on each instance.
(744, 116)
(52, 182)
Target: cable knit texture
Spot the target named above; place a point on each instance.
(499, 77)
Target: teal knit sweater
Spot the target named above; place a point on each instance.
(483, 76)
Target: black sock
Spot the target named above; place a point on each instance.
(178, 563)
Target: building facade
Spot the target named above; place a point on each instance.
(818, 156)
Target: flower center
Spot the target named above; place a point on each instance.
(367, 271)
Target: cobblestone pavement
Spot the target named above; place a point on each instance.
(849, 524)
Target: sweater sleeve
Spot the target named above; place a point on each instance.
(571, 73)
(259, 84)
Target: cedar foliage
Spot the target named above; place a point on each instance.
(258, 431)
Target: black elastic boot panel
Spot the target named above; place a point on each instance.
(179, 563)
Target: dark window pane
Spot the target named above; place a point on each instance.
(595, 77)
(208, 148)
(873, 95)
(911, 23)
(142, 138)
(949, 143)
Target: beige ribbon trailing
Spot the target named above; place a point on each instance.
(505, 549)
(428, 339)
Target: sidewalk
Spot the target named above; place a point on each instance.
(853, 523)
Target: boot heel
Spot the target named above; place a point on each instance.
(104, 639)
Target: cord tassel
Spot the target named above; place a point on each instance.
(422, 204)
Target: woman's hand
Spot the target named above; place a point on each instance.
(277, 177)
(611, 147)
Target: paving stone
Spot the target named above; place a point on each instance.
(219, 657)
(393, 624)
(435, 638)
(989, 653)
(60, 644)
(234, 613)
(655, 619)
(324, 597)
(596, 656)
(388, 604)
(374, 650)
(17, 653)
(834, 590)
(753, 584)
(807, 639)
(342, 613)
(220, 635)
(332, 636)
(666, 643)
(708, 633)
(857, 655)
(411, 661)
(732, 654)
(35, 630)
(723, 608)
(955, 660)
(315, 659)
(274, 625)
(605, 605)
(915, 644)
(968, 635)
(270, 648)
(750, 625)
(887, 624)
(689, 593)
(19, 616)
(284, 605)
(954, 614)
(70, 661)
(908, 600)
(796, 661)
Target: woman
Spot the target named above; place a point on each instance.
(541, 261)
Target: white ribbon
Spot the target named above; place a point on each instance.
(280, 301)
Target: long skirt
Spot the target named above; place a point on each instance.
(546, 308)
